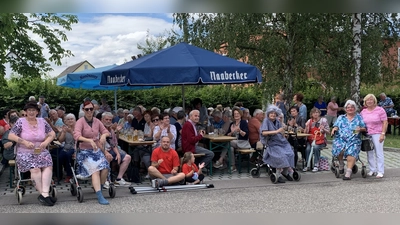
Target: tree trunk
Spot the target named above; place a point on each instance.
(356, 55)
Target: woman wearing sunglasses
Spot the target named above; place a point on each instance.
(92, 157)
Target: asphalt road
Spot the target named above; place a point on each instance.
(314, 193)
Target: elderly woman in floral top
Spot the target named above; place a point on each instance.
(32, 136)
(347, 142)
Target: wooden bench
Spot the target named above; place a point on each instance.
(244, 152)
(11, 163)
(199, 155)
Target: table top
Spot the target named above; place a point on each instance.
(135, 143)
(223, 138)
(299, 134)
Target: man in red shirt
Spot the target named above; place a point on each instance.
(164, 164)
(190, 138)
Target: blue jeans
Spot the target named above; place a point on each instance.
(209, 155)
(317, 153)
(65, 159)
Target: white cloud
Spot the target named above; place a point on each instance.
(109, 38)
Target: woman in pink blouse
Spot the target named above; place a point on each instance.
(33, 135)
(375, 119)
(92, 157)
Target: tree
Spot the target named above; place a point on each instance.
(294, 50)
(153, 44)
(23, 52)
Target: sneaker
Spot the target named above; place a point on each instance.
(121, 182)
(370, 174)
(305, 169)
(380, 175)
(217, 164)
(147, 176)
(106, 185)
(233, 169)
(280, 180)
(315, 169)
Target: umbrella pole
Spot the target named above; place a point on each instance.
(183, 97)
(115, 99)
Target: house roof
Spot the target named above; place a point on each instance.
(73, 68)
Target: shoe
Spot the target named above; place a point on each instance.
(288, 177)
(217, 165)
(380, 175)
(315, 169)
(46, 201)
(161, 182)
(147, 176)
(67, 179)
(121, 182)
(305, 169)
(346, 178)
(106, 185)
(370, 174)
(233, 169)
(280, 180)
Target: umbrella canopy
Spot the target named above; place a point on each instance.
(90, 80)
(181, 64)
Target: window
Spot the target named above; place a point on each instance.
(86, 67)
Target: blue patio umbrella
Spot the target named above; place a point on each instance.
(90, 80)
(181, 64)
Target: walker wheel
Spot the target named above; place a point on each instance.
(269, 171)
(363, 172)
(255, 173)
(333, 169)
(355, 169)
(337, 173)
(273, 178)
(79, 195)
(296, 176)
(73, 189)
(112, 191)
(22, 188)
(53, 191)
(19, 197)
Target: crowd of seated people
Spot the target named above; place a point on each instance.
(175, 131)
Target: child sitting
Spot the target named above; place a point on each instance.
(193, 174)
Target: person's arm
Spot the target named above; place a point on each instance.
(244, 129)
(172, 133)
(157, 133)
(2, 130)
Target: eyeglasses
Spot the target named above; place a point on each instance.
(154, 120)
(88, 109)
(23, 115)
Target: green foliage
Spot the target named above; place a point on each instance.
(292, 49)
(24, 54)
(153, 44)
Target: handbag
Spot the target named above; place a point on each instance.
(243, 144)
(317, 136)
(367, 144)
(323, 164)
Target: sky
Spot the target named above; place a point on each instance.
(108, 38)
